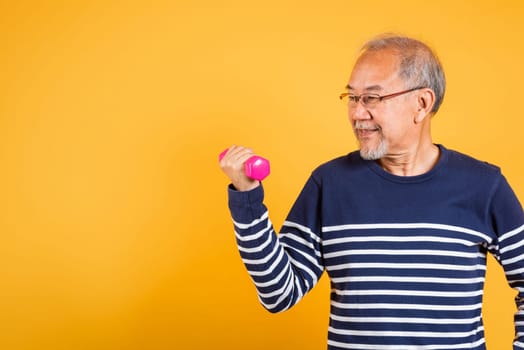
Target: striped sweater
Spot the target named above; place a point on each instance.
(406, 256)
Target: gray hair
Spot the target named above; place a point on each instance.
(419, 65)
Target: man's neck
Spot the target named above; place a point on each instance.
(412, 162)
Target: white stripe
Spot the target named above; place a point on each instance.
(513, 260)
(515, 272)
(382, 306)
(258, 248)
(253, 236)
(278, 291)
(261, 260)
(519, 334)
(416, 320)
(303, 254)
(328, 242)
(274, 281)
(284, 295)
(407, 226)
(303, 267)
(511, 233)
(301, 241)
(244, 226)
(270, 268)
(418, 293)
(301, 228)
(401, 279)
(513, 281)
(281, 290)
(299, 286)
(407, 333)
(407, 252)
(407, 266)
(512, 247)
(355, 346)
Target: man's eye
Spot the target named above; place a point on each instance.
(353, 98)
(370, 99)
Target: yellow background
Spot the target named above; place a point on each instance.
(114, 228)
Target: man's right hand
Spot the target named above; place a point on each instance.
(232, 164)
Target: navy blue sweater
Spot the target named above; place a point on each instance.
(406, 256)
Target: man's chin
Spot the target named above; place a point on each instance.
(369, 153)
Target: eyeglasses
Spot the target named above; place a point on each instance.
(371, 100)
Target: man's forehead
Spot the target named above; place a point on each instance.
(373, 81)
(374, 71)
(381, 60)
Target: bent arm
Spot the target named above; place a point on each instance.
(283, 267)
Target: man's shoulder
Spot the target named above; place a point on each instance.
(348, 162)
(465, 162)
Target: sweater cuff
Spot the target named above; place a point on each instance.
(245, 199)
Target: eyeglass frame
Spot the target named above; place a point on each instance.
(357, 98)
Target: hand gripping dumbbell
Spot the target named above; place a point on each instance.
(255, 167)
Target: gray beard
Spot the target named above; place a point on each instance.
(375, 154)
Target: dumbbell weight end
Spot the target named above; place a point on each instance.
(255, 167)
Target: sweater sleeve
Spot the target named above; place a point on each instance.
(286, 266)
(507, 218)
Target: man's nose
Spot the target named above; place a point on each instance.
(358, 111)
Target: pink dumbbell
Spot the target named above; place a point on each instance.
(255, 167)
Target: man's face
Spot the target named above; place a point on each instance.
(387, 128)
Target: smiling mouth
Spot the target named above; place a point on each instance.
(366, 132)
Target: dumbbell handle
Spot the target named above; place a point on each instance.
(255, 167)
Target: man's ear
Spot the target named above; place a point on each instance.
(425, 102)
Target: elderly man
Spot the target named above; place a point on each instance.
(402, 227)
